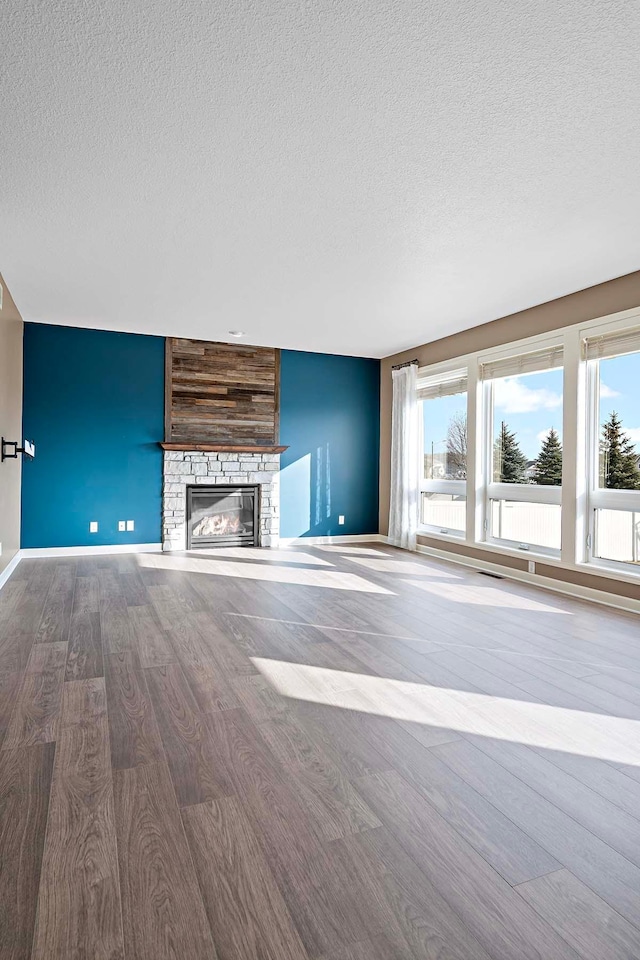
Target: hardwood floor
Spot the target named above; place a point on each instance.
(330, 753)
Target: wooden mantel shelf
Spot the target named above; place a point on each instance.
(221, 447)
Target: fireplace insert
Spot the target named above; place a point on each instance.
(222, 515)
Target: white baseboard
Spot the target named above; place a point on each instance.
(10, 567)
(311, 541)
(577, 591)
(106, 549)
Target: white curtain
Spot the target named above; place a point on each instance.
(403, 513)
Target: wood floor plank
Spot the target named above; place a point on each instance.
(25, 781)
(487, 905)
(339, 734)
(35, 717)
(56, 613)
(151, 642)
(247, 914)
(402, 903)
(115, 626)
(197, 771)
(79, 897)
(10, 595)
(15, 650)
(600, 776)
(84, 657)
(602, 818)
(27, 612)
(584, 920)
(509, 850)
(163, 913)
(318, 894)
(331, 802)
(10, 684)
(259, 698)
(610, 875)
(133, 731)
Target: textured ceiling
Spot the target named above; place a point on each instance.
(339, 176)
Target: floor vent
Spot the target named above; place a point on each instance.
(488, 573)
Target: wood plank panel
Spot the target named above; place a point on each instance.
(220, 392)
(334, 807)
(609, 874)
(584, 920)
(247, 914)
(133, 730)
(197, 771)
(84, 657)
(508, 849)
(36, 714)
(150, 641)
(163, 912)
(404, 907)
(491, 909)
(56, 614)
(25, 781)
(79, 899)
(318, 893)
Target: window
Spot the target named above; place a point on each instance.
(613, 371)
(524, 407)
(443, 462)
(535, 447)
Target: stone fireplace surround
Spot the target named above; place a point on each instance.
(184, 468)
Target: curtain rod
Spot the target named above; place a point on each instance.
(407, 363)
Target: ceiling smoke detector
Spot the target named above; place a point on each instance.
(236, 333)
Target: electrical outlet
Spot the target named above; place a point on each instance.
(341, 519)
(121, 525)
(130, 525)
(532, 566)
(93, 526)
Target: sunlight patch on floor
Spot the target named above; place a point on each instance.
(264, 554)
(328, 579)
(484, 596)
(610, 738)
(337, 548)
(406, 567)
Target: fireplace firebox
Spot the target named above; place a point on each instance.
(223, 515)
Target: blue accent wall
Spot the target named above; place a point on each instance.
(94, 405)
(330, 417)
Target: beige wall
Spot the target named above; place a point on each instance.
(599, 301)
(11, 327)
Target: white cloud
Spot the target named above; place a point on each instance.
(607, 393)
(633, 433)
(513, 396)
(540, 437)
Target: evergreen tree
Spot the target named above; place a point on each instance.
(618, 459)
(509, 461)
(548, 465)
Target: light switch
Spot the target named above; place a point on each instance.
(341, 519)
(130, 525)
(93, 526)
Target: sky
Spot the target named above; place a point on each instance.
(532, 404)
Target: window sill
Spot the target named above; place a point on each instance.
(438, 535)
(595, 570)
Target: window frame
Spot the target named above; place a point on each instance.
(519, 492)
(451, 487)
(597, 497)
(579, 496)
